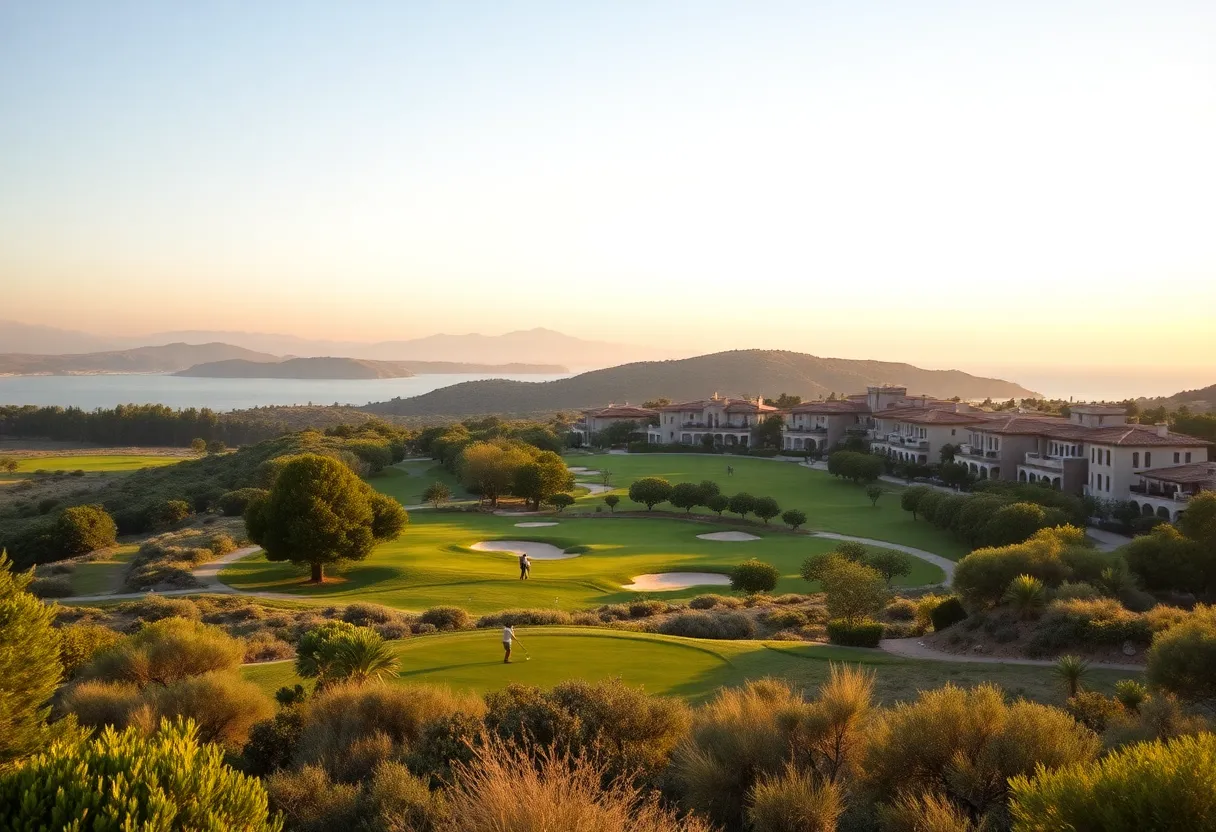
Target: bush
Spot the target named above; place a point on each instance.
(766, 508)
(82, 529)
(176, 778)
(754, 576)
(863, 633)
(1101, 621)
(223, 706)
(785, 619)
(272, 742)
(650, 491)
(645, 609)
(155, 608)
(793, 517)
(59, 586)
(397, 801)
(1182, 659)
(716, 625)
(854, 591)
(78, 643)
(528, 617)
(983, 576)
(165, 652)
(1014, 523)
(447, 618)
(794, 801)
(363, 614)
(1159, 785)
(910, 499)
(1093, 710)
(947, 613)
(900, 609)
(97, 704)
(1077, 591)
(234, 503)
(311, 802)
(709, 601)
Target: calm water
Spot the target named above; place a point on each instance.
(89, 392)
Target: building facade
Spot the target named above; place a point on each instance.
(596, 420)
(728, 421)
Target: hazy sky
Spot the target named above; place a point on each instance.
(962, 184)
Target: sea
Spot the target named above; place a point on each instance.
(89, 392)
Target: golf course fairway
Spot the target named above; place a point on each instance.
(693, 669)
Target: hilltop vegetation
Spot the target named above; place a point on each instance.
(161, 359)
(734, 373)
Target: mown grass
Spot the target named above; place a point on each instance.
(406, 481)
(830, 504)
(431, 563)
(105, 573)
(690, 668)
(94, 464)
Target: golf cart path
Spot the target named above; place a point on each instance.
(208, 575)
(911, 648)
(945, 564)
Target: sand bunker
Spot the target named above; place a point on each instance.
(594, 487)
(666, 581)
(533, 525)
(736, 537)
(534, 550)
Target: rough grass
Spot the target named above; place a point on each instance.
(93, 464)
(668, 665)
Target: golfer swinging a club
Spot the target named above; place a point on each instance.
(508, 635)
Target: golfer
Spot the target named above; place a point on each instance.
(525, 566)
(508, 635)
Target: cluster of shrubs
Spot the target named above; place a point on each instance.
(856, 466)
(986, 518)
(650, 491)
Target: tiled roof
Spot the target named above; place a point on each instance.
(731, 406)
(933, 416)
(1056, 427)
(1023, 424)
(622, 411)
(1137, 436)
(1203, 473)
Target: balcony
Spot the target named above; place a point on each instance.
(704, 426)
(802, 429)
(972, 452)
(1051, 463)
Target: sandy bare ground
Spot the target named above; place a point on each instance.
(728, 537)
(533, 525)
(531, 548)
(667, 581)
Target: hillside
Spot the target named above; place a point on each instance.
(353, 368)
(756, 372)
(1202, 400)
(161, 359)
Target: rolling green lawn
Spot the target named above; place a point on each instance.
(431, 563)
(830, 504)
(689, 668)
(104, 574)
(96, 464)
(406, 481)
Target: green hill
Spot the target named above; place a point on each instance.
(755, 372)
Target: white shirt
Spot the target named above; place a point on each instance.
(507, 635)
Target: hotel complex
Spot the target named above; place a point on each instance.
(1094, 451)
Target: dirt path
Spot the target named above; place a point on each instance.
(911, 648)
(208, 574)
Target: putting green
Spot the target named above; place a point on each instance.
(432, 564)
(690, 668)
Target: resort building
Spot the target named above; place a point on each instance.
(594, 421)
(728, 421)
(820, 425)
(1164, 492)
(918, 434)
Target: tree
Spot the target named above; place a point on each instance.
(889, 563)
(611, 501)
(216, 446)
(954, 473)
(717, 503)
(910, 499)
(708, 489)
(947, 452)
(198, 446)
(851, 550)
(742, 504)
(30, 667)
(766, 508)
(650, 490)
(83, 529)
(616, 433)
(166, 781)
(817, 565)
(855, 592)
(166, 651)
(8, 464)
(1014, 523)
(754, 576)
(1182, 659)
(436, 494)
(540, 479)
(360, 657)
(1071, 671)
(168, 513)
(234, 503)
(793, 517)
(488, 468)
(768, 434)
(561, 501)
(319, 512)
(707, 441)
(686, 495)
(874, 492)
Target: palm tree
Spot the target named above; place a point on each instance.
(362, 656)
(1026, 594)
(1071, 670)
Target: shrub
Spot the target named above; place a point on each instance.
(1103, 620)
(1182, 659)
(177, 778)
(272, 742)
(78, 643)
(529, 617)
(363, 614)
(716, 625)
(560, 501)
(234, 503)
(650, 491)
(398, 801)
(890, 563)
(861, 633)
(223, 706)
(819, 564)
(793, 517)
(155, 608)
(854, 592)
(717, 503)
(311, 802)
(505, 788)
(851, 550)
(785, 619)
(1159, 785)
(983, 576)
(266, 647)
(1093, 710)
(97, 704)
(1025, 594)
(766, 508)
(611, 501)
(169, 512)
(1014, 523)
(1130, 694)
(947, 613)
(910, 499)
(978, 742)
(754, 576)
(709, 601)
(81, 529)
(59, 586)
(645, 609)
(900, 609)
(165, 652)
(447, 618)
(1078, 591)
(794, 801)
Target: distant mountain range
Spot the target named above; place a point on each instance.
(352, 368)
(532, 346)
(1202, 400)
(755, 372)
(163, 359)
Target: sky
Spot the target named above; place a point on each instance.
(993, 186)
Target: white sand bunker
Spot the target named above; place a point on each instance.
(736, 537)
(533, 525)
(534, 550)
(576, 469)
(594, 487)
(665, 581)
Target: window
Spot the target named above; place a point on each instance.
(1135, 459)
(1108, 482)
(1148, 459)
(1188, 456)
(1108, 463)
(952, 431)
(1177, 457)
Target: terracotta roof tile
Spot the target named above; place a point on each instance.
(1203, 473)
(622, 411)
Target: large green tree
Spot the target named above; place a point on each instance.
(82, 529)
(540, 479)
(319, 512)
(29, 665)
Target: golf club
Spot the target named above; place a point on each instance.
(527, 655)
